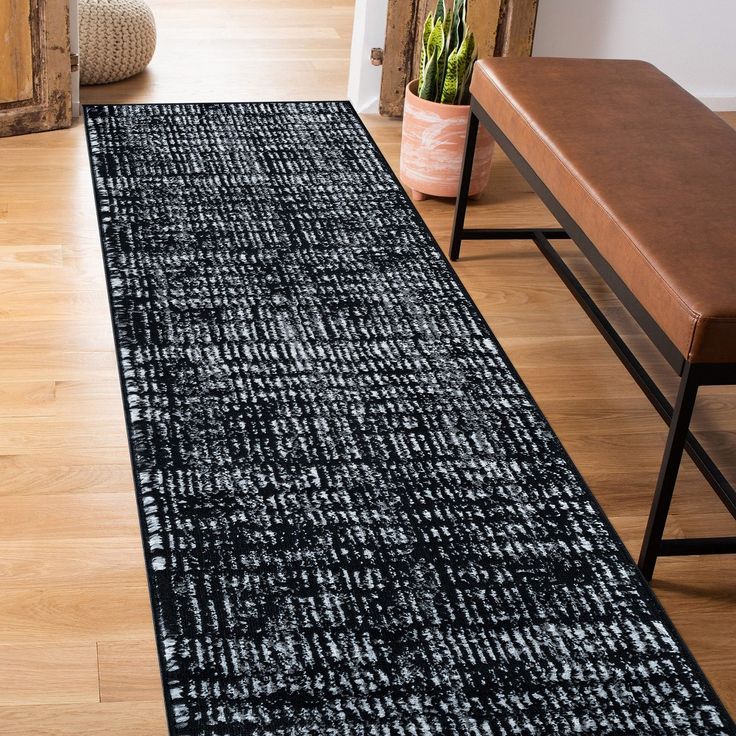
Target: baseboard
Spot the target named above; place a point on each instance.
(369, 107)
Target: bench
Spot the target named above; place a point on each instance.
(642, 177)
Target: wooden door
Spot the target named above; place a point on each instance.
(501, 28)
(35, 66)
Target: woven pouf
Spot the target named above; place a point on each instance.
(117, 39)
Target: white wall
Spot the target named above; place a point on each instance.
(693, 42)
(369, 31)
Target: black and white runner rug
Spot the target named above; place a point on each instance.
(356, 520)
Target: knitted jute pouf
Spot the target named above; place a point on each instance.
(117, 39)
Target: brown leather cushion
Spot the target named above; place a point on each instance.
(647, 171)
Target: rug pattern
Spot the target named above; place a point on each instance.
(356, 520)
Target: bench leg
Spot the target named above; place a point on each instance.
(676, 439)
(462, 196)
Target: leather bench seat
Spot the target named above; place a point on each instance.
(647, 172)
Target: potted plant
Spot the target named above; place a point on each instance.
(436, 110)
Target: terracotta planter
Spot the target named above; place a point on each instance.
(432, 147)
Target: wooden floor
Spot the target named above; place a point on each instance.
(76, 641)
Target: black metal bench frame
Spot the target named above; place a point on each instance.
(693, 375)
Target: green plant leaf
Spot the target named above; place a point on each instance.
(449, 88)
(452, 36)
(445, 53)
(465, 75)
(440, 11)
(436, 40)
(447, 31)
(428, 90)
(464, 90)
(459, 11)
(428, 26)
(465, 54)
(435, 52)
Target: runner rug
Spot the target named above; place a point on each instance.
(356, 520)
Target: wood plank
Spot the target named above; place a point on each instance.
(64, 562)
(75, 613)
(27, 398)
(25, 475)
(32, 674)
(84, 433)
(24, 304)
(129, 671)
(22, 257)
(16, 57)
(98, 719)
(61, 366)
(71, 516)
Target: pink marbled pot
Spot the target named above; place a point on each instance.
(432, 147)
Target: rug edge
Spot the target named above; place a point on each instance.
(147, 556)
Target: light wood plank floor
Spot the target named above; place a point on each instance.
(77, 650)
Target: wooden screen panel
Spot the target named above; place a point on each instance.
(484, 16)
(42, 101)
(16, 54)
(501, 28)
(517, 22)
(398, 54)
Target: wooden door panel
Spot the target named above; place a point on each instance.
(35, 66)
(16, 54)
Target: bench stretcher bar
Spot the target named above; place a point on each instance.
(693, 375)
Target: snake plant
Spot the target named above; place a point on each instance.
(447, 55)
